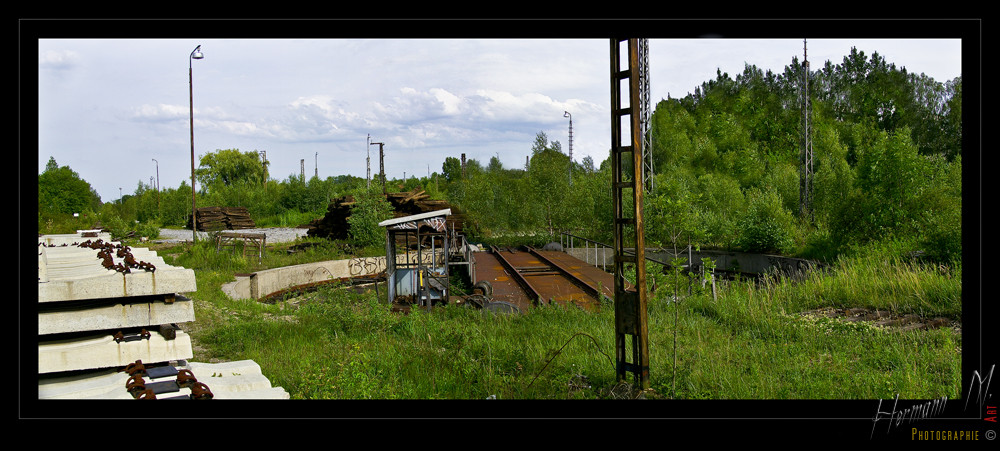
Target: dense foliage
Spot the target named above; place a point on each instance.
(887, 166)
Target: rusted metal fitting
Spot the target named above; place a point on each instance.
(120, 336)
(134, 368)
(135, 385)
(185, 378)
(200, 391)
(145, 394)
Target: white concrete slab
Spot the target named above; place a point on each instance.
(229, 380)
(117, 316)
(116, 284)
(103, 352)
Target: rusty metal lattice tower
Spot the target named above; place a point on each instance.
(806, 156)
(631, 338)
(645, 114)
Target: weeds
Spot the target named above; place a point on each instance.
(751, 342)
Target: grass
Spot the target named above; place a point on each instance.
(753, 342)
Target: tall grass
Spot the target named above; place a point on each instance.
(752, 342)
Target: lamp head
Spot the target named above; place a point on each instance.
(196, 54)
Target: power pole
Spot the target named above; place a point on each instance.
(381, 164)
(806, 156)
(368, 163)
(631, 333)
(644, 113)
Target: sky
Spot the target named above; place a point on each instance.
(109, 107)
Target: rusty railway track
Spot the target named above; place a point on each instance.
(529, 277)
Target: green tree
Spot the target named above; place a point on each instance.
(370, 208)
(230, 166)
(61, 190)
(451, 169)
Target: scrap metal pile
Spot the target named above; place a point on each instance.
(334, 224)
(211, 219)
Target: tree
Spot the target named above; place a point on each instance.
(370, 208)
(230, 166)
(61, 190)
(451, 169)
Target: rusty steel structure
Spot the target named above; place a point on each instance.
(527, 277)
(631, 333)
(806, 155)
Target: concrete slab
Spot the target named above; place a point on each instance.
(103, 352)
(229, 380)
(115, 284)
(116, 316)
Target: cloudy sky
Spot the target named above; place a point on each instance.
(108, 107)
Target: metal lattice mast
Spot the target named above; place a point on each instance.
(645, 113)
(806, 169)
(631, 333)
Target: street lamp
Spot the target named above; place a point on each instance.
(195, 55)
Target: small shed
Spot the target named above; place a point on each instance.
(416, 263)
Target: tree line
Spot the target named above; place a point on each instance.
(887, 148)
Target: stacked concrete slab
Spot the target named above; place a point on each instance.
(93, 321)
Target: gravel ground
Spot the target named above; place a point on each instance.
(273, 234)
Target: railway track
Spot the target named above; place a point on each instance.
(528, 277)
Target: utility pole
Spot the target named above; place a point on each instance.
(381, 164)
(317, 165)
(368, 163)
(806, 156)
(644, 113)
(570, 116)
(631, 329)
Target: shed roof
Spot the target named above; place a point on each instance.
(417, 217)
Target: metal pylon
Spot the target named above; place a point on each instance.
(806, 155)
(645, 114)
(631, 338)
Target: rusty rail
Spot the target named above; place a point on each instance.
(530, 290)
(565, 272)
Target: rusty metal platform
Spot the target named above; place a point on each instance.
(526, 277)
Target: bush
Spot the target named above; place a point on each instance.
(370, 208)
(766, 226)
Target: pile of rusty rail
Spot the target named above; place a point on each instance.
(334, 224)
(212, 219)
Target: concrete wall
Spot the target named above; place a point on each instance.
(268, 281)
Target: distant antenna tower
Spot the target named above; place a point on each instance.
(317, 165)
(302, 162)
(570, 116)
(806, 170)
(644, 114)
(368, 162)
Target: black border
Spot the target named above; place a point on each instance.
(713, 420)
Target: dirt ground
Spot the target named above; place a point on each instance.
(884, 318)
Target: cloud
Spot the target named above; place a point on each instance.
(59, 60)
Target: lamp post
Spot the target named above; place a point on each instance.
(195, 55)
(570, 116)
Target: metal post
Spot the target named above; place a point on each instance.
(630, 303)
(194, 217)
